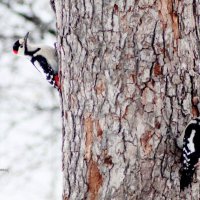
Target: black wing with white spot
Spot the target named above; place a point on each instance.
(43, 66)
(191, 152)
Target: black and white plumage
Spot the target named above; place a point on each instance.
(191, 152)
(43, 57)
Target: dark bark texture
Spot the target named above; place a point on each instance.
(130, 69)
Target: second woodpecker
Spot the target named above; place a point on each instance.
(191, 152)
(43, 57)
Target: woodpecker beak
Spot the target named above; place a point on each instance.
(26, 37)
(25, 42)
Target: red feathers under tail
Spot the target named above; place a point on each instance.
(57, 82)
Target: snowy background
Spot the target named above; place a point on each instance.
(30, 123)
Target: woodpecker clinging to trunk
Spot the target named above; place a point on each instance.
(189, 142)
(191, 152)
(43, 57)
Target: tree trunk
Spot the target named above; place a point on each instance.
(129, 70)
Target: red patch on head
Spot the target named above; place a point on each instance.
(15, 51)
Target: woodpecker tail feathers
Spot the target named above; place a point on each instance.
(186, 179)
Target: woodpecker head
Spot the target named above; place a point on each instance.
(20, 46)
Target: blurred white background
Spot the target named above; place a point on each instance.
(30, 122)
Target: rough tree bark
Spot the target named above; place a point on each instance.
(129, 71)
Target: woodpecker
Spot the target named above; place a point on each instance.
(43, 57)
(190, 153)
